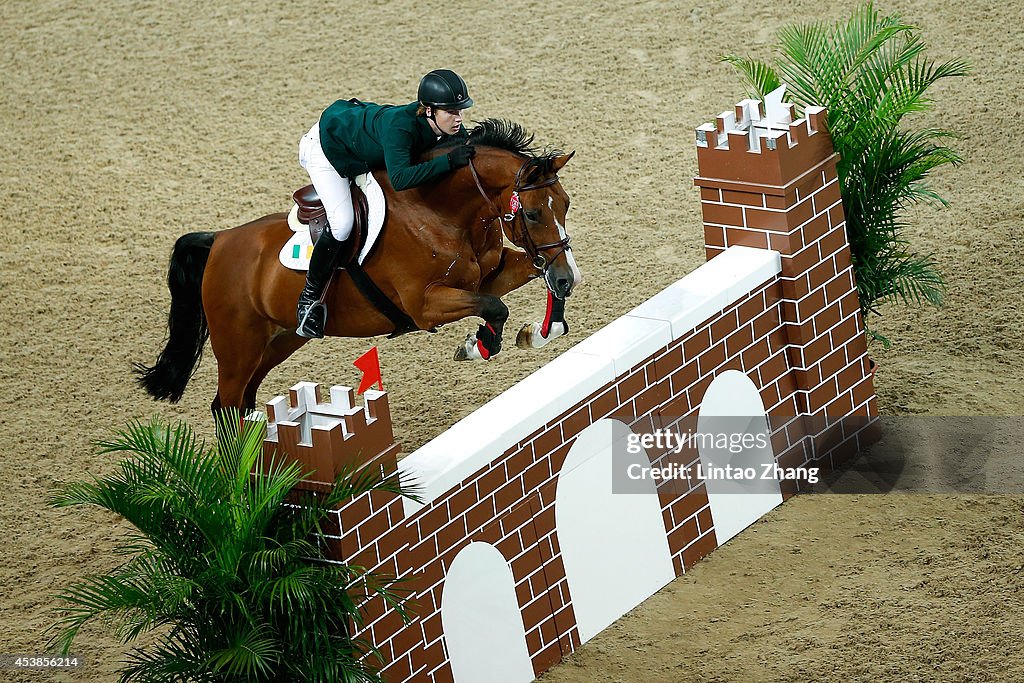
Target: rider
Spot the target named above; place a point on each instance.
(353, 137)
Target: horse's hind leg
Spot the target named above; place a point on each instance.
(239, 350)
(283, 344)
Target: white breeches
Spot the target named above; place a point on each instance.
(333, 188)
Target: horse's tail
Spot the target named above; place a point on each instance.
(186, 324)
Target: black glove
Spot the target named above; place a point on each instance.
(461, 155)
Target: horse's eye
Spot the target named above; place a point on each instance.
(532, 215)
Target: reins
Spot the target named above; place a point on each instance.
(532, 248)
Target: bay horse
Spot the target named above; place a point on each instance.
(440, 258)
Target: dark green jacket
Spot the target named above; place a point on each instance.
(359, 136)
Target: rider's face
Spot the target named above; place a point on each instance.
(446, 121)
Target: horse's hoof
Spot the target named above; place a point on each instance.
(468, 350)
(529, 336)
(525, 337)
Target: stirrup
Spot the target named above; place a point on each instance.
(311, 325)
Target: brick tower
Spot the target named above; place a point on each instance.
(769, 181)
(324, 436)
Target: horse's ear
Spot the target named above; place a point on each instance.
(537, 169)
(558, 162)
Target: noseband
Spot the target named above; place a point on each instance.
(533, 250)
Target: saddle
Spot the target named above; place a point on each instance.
(312, 213)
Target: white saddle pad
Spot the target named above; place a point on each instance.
(296, 251)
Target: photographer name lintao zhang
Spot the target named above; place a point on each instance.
(701, 472)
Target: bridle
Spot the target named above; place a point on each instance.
(533, 250)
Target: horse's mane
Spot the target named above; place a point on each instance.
(503, 134)
(511, 136)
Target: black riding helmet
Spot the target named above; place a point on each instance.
(444, 89)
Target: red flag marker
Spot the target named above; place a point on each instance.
(369, 363)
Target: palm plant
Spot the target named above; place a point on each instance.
(870, 72)
(226, 570)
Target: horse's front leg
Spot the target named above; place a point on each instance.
(517, 269)
(443, 304)
(538, 335)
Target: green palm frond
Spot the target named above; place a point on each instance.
(812, 71)
(112, 595)
(274, 555)
(239, 445)
(83, 493)
(294, 590)
(354, 480)
(911, 279)
(265, 492)
(871, 73)
(759, 76)
(223, 567)
(176, 658)
(907, 88)
(251, 651)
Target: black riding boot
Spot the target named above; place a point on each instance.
(311, 314)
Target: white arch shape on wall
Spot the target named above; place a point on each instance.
(732, 407)
(481, 620)
(614, 545)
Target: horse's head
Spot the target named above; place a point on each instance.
(535, 222)
(532, 204)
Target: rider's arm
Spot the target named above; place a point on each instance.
(402, 172)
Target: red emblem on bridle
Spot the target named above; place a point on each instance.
(513, 203)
